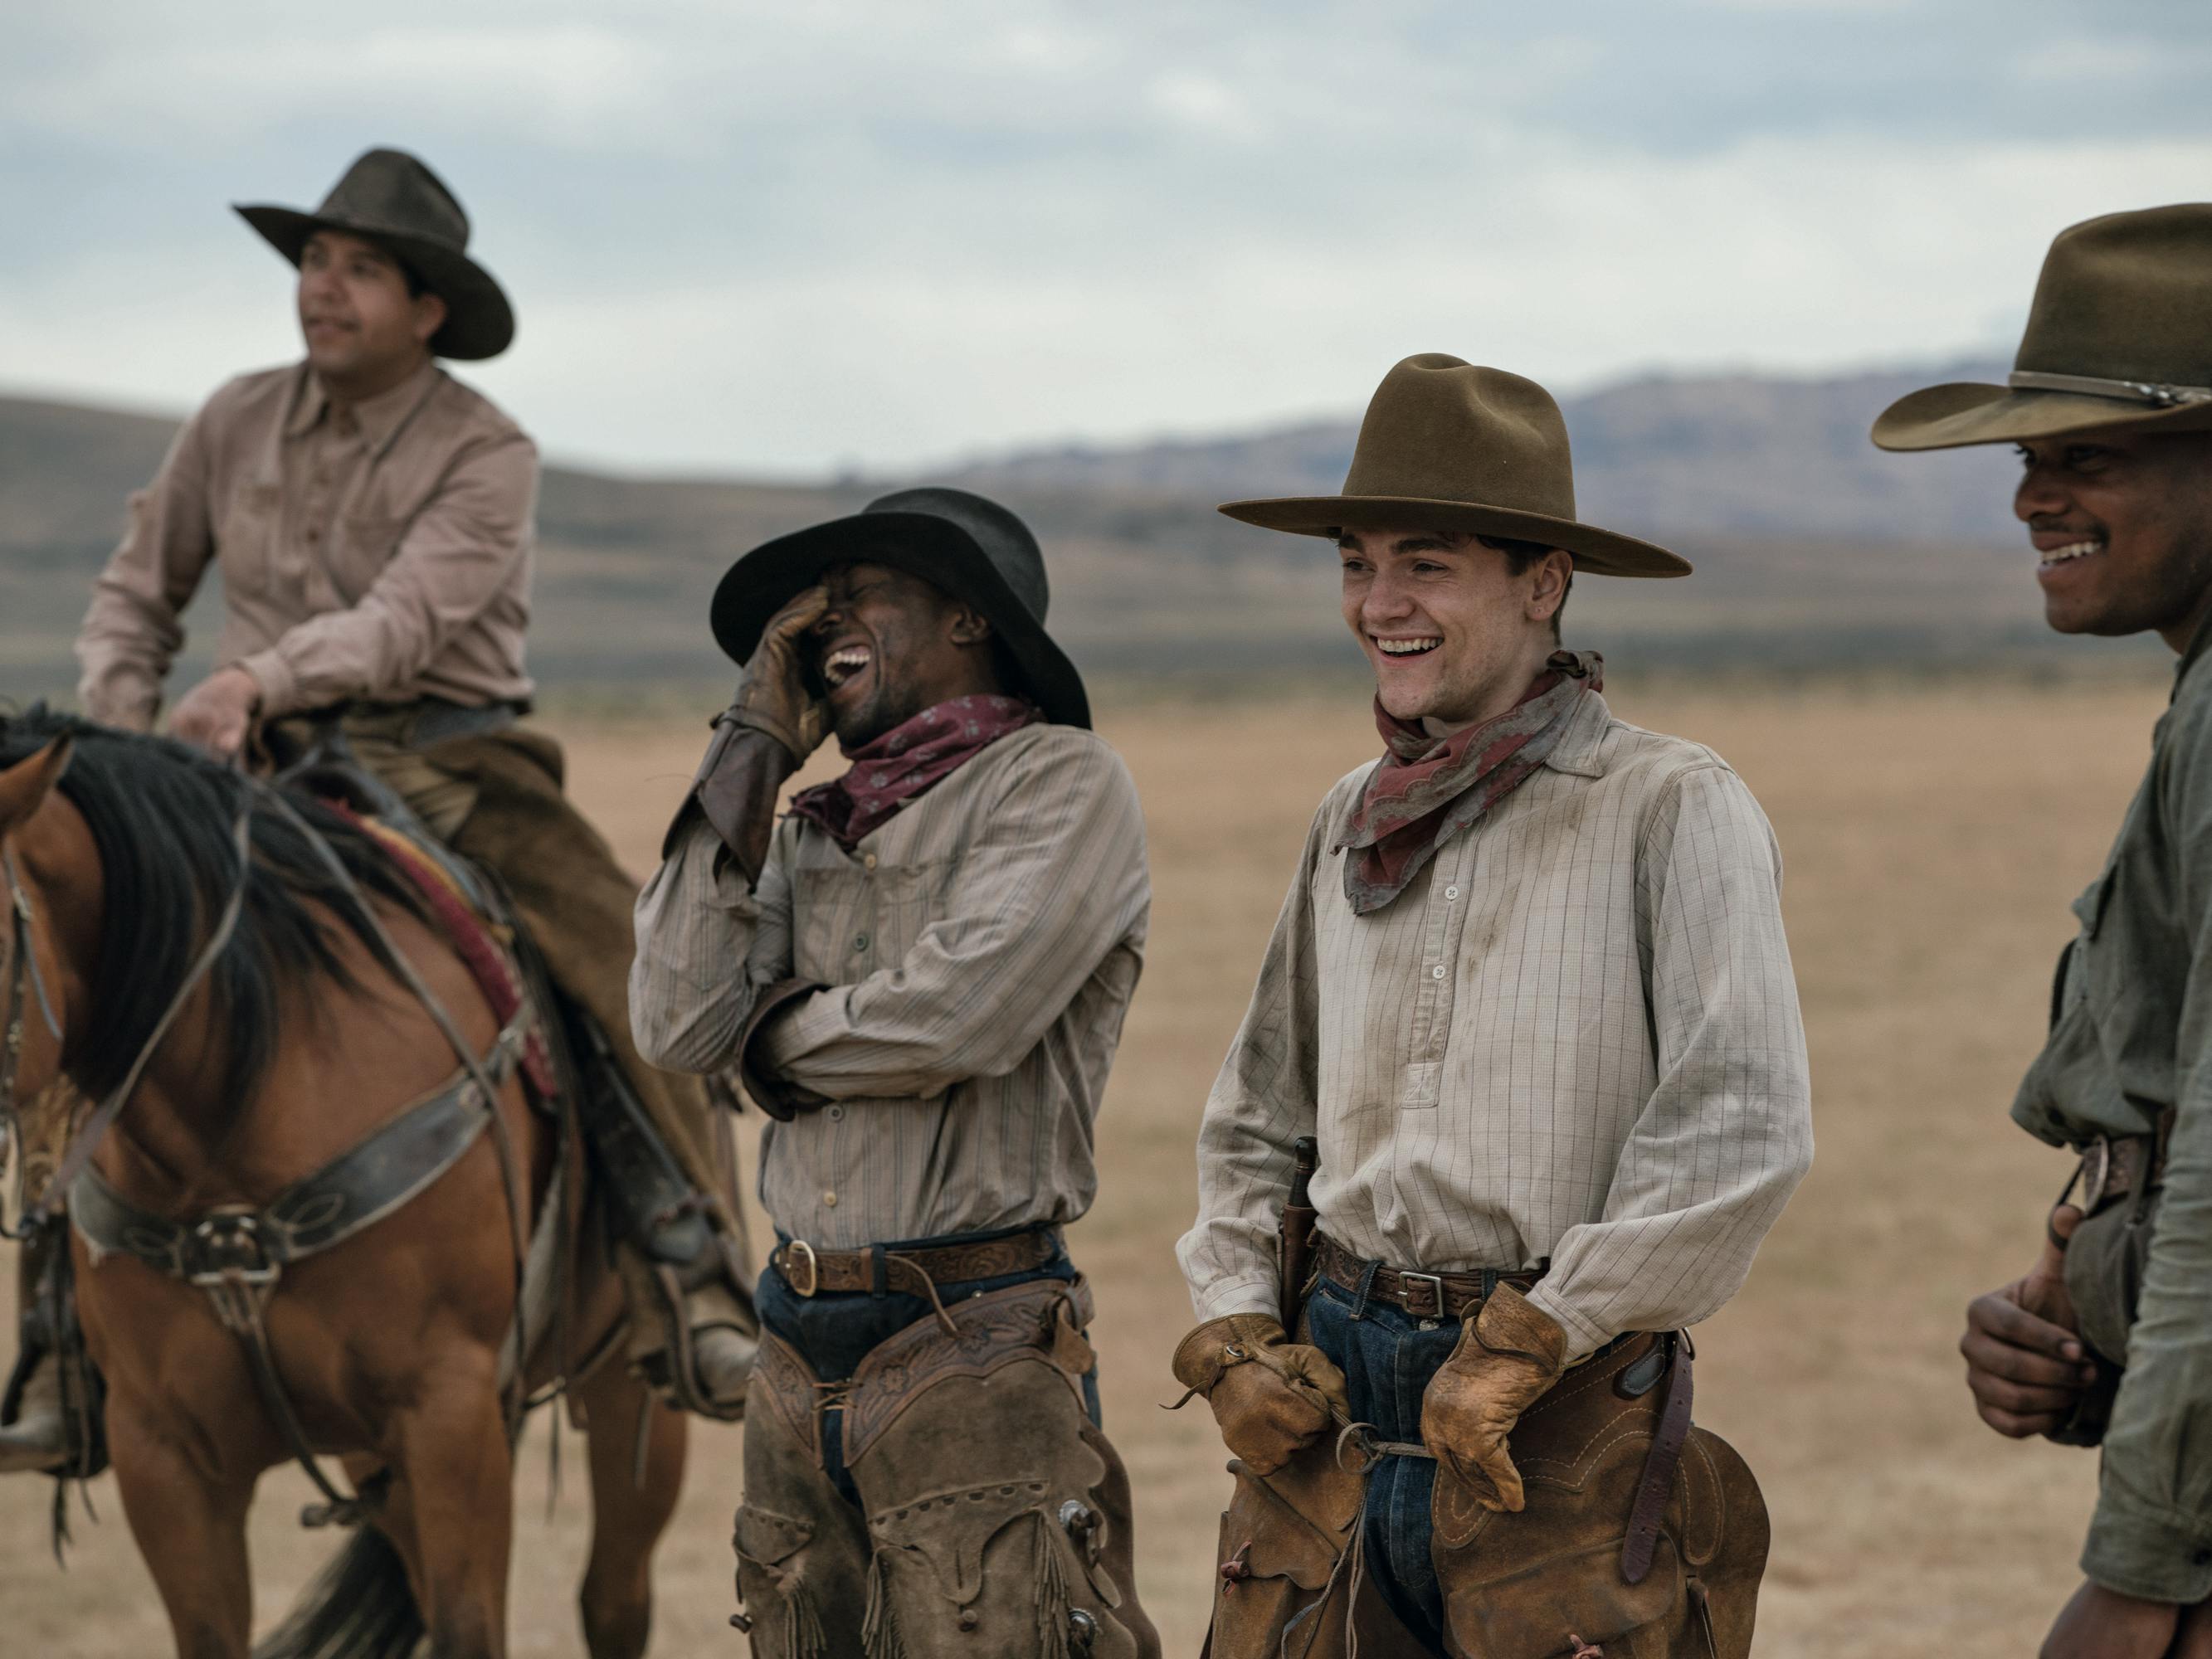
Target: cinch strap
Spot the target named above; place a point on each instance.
(2141, 391)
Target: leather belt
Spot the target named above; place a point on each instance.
(1424, 1296)
(2114, 1167)
(809, 1271)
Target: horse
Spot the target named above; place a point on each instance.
(252, 988)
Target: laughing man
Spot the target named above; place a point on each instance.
(1530, 992)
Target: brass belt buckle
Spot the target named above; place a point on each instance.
(2096, 1170)
(1436, 1284)
(797, 1246)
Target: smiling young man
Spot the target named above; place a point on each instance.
(2108, 1339)
(922, 972)
(372, 521)
(1530, 993)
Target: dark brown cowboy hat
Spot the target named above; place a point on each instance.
(972, 547)
(2120, 334)
(1448, 445)
(392, 199)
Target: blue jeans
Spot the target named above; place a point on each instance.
(1388, 1357)
(834, 1330)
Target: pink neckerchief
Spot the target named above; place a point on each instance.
(906, 761)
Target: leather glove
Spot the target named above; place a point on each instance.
(1272, 1396)
(773, 694)
(1509, 1354)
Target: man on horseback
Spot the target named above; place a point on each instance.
(922, 971)
(1530, 996)
(373, 520)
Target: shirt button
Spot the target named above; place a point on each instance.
(860, 941)
(830, 1200)
(836, 1113)
(1451, 892)
(1436, 972)
(869, 862)
(314, 532)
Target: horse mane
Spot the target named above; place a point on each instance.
(163, 817)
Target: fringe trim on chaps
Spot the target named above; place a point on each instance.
(879, 1634)
(1053, 1602)
(802, 1635)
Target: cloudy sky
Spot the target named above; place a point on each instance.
(787, 238)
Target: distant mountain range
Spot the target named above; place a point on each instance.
(1813, 549)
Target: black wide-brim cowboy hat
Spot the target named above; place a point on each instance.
(971, 547)
(1447, 445)
(392, 199)
(2119, 335)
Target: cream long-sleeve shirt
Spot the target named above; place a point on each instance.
(979, 952)
(1574, 1038)
(380, 551)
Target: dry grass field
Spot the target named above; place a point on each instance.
(1933, 835)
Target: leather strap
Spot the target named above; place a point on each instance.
(1424, 1296)
(808, 1271)
(1656, 1488)
(2098, 385)
(2116, 1166)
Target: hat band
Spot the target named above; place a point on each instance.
(2142, 392)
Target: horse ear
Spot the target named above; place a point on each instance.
(24, 786)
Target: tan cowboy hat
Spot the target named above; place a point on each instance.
(1449, 445)
(393, 199)
(2120, 334)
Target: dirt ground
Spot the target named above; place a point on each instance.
(1933, 837)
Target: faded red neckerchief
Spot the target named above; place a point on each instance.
(907, 761)
(1427, 789)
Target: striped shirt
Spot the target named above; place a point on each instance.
(1574, 1037)
(980, 949)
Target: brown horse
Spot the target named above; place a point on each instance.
(299, 1043)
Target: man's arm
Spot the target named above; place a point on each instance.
(1727, 1133)
(709, 941)
(1054, 881)
(131, 632)
(458, 555)
(2151, 1537)
(1266, 1096)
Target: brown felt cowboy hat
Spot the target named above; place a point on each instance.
(1449, 446)
(2120, 334)
(967, 545)
(392, 199)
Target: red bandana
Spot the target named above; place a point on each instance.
(906, 761)
(1426, 790)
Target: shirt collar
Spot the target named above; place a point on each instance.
(380, 417)
(1578, 750)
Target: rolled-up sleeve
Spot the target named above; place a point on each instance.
(2151, 1532)
(1727, 1134)
(1266, 1096)
(708, 944)
(1054, 881)
(458, 555)
(131, 633)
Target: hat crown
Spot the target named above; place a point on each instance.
(1441, 428)
(1004, 540)
(2127, 296)
(390, 190)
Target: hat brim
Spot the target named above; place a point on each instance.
(1961, 413)
(934, 548)
(1601, 552)
(479, 322)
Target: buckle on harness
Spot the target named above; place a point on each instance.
(226, 1248)
(813, 1268)
(1435, 1286)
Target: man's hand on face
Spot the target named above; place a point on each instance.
(2103, 1624)
(774, 694)
(217, 714)
(2026, 1365)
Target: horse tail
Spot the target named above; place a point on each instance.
(360, 1607)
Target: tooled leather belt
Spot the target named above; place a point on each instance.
(914, 1273)
(1424, 1296)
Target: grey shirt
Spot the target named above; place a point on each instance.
(980, 949)
(2132, 1035)
(1573, 1037)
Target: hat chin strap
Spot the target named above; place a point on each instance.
(2142, 392)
